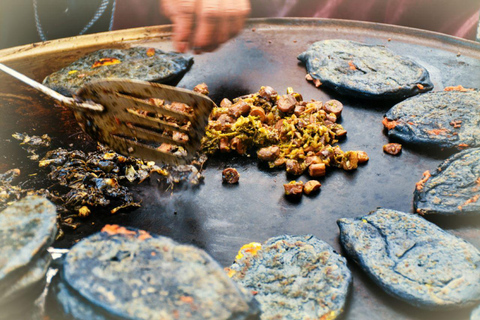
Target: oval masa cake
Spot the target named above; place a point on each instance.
(447, 119)
(129, 274)
(136, 63)
(361, 70)
(475, 314)
(453, 189)
(413, 259)
(27, 228)
(294, 277)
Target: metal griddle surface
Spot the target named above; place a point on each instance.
(221, 218)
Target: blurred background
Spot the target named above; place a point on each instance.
(28, 21)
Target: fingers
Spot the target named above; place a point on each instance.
(182, 14)
(205, 24)
(207, 31)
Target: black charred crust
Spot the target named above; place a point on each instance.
(365, 71)
(452, 187)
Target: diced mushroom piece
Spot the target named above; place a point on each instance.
(311, 186)
(333, 106)
(317, 170)
(270, 118)
(350, 160)
(179, 107)
(240, 108)
(286, 103)
(224, 145)
(225, 103)
(331, 117)
(201, 88)
(267, 92)
(268, 153)
(392, 148)
(362, 156)
(293, 167)
(237, 144)
(230, 176)
(180, 137)
(340, 133)
(258, 112)
(224, 119)
(279, 125)
(279, 162)
(293, 189)
(298, 110)
(309, 160)
(165, 147)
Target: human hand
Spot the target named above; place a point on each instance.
(202, 25)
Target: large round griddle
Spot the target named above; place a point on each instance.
(221, 218)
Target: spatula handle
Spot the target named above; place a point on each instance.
(65, 101)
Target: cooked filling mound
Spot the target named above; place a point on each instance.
(284, 130)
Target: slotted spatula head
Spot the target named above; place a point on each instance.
(140, 116)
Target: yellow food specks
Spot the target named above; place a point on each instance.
(250, 249)
(84, 211)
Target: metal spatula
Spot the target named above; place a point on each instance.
(124, 115)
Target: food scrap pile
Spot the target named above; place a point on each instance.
(96, 178)
(32, 144)
(83, 182)
(8, 190)
(285, 130)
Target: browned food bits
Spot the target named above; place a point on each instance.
(333, 106)
(311, 186)
(392, 148)
(293, 167)
(240, 108)
(268, 153)
(230, 176)
(286, 103)
(258, 112)
(267, 92)
(362, 156)
(225, 103)
(293, 189)
(201, 88)
(350, 160)
(284, 130)
(317, 170)
(238, 145)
